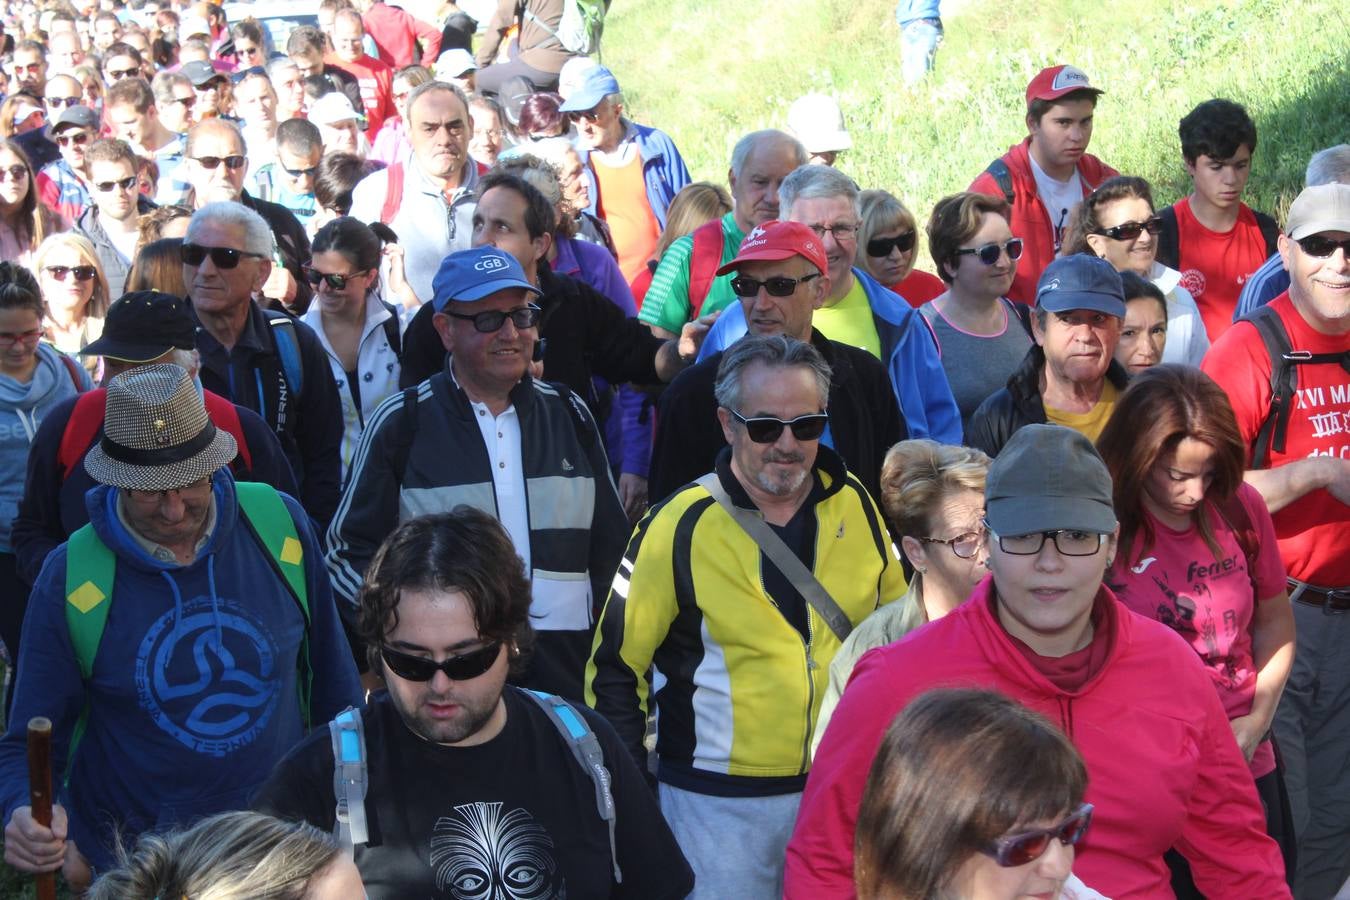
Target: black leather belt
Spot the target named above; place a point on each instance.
(1332, 600)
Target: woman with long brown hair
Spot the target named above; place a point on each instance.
(24, 222)
(1198, 550)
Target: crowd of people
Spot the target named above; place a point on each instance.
(414, 483)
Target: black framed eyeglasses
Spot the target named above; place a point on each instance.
(1321, 247)
(335, 281)
(1128, 231)
(880, 247)
(223, 257)
(776, 286)
(457, 668)
(1068, 541)
(989, 253)
(106, 187)
(231, 162)
(81, 273)
(840, 231)
(493, 319)
(768, 429)
(964, 545)
(1028, 846)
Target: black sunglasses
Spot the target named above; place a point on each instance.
(1321, 247)
(1128, 231)
(58, 102)
(589, 115)
(777, 286)
(105, 187)
(81, 273)
(301, 173)
(493, 320)
(989, 253)
(456, 668)
(1020, 849)
(767, 429)
(119, 74)
(231, 162)
(79, 140)
(882, 246)
(186, 101)
(14, 172)
(335, 281)
(223, 257)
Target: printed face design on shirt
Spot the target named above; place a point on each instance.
(1062, 135)
(207, 674)
(479, 853)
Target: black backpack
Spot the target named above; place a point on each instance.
(1284, 363)
(1169, 243)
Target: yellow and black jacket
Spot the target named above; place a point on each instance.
(737, 685)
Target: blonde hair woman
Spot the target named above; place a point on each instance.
(75, 291)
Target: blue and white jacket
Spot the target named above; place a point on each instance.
(194, 693)
(663, 169)
(908, 350)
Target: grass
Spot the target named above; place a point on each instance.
(708, 71)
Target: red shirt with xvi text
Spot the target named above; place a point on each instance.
(1313, 531)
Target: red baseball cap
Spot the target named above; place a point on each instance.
(776, 240)
(1056, 81)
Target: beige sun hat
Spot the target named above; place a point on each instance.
(156, 433)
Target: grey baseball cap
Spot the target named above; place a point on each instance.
(1048, 478)
(77, 117)
(1325, 207)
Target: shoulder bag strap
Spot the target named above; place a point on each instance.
(778, 553)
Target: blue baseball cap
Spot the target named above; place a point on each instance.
(474, 274)
(1081, 282)
(598, 84)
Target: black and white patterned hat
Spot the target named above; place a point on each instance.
(156, 433)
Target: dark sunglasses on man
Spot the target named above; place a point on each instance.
(776, 286)
(231, 162)
(989, 253)
(222, 257)
(880, 247)
(1320, 246)
(767, 429)
(106, 187)
(456, 668)
(492, 320)
(58, 102)
(79, 139)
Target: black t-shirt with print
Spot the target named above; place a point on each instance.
(513, 817)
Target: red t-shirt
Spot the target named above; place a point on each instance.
(1208, 600)
(1313, 531)
(918, 287)
(376, 81)
(1214, 265)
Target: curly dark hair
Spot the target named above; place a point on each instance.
(1216, 128)
(465, 550)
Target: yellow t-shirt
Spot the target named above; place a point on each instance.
(1090, 423)
(850, 321)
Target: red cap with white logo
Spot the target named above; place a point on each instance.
(776, 240)
(1056, 81)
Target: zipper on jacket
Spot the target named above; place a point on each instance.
(811, 666)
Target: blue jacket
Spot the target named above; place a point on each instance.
(1262, 286)
(908, 351)
(193, 696)
(663, 170)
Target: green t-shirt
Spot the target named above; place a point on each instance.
(667, 303)
(850, 321)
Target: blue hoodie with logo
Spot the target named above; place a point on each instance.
(194, 692)
(22, 407)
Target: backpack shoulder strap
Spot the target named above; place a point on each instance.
(351, 778)
(1023, 314)
(86, 419)
(1002, 175)
(1270, 232)
(585, 746)
(287, 342)
(703, 263)
(90, 570)
(1169, 240)
(391, 332)
(73, 370)
(1283, 384)
(265, 515)
(226, 416)
(393, 192)
(406, 432)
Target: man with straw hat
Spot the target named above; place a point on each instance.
(180, 643)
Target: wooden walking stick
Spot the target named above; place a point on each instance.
(40, 790)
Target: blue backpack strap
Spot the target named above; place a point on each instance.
(287, 342)
(350, 779)
(586, 748)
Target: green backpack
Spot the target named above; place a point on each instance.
(91, 568)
